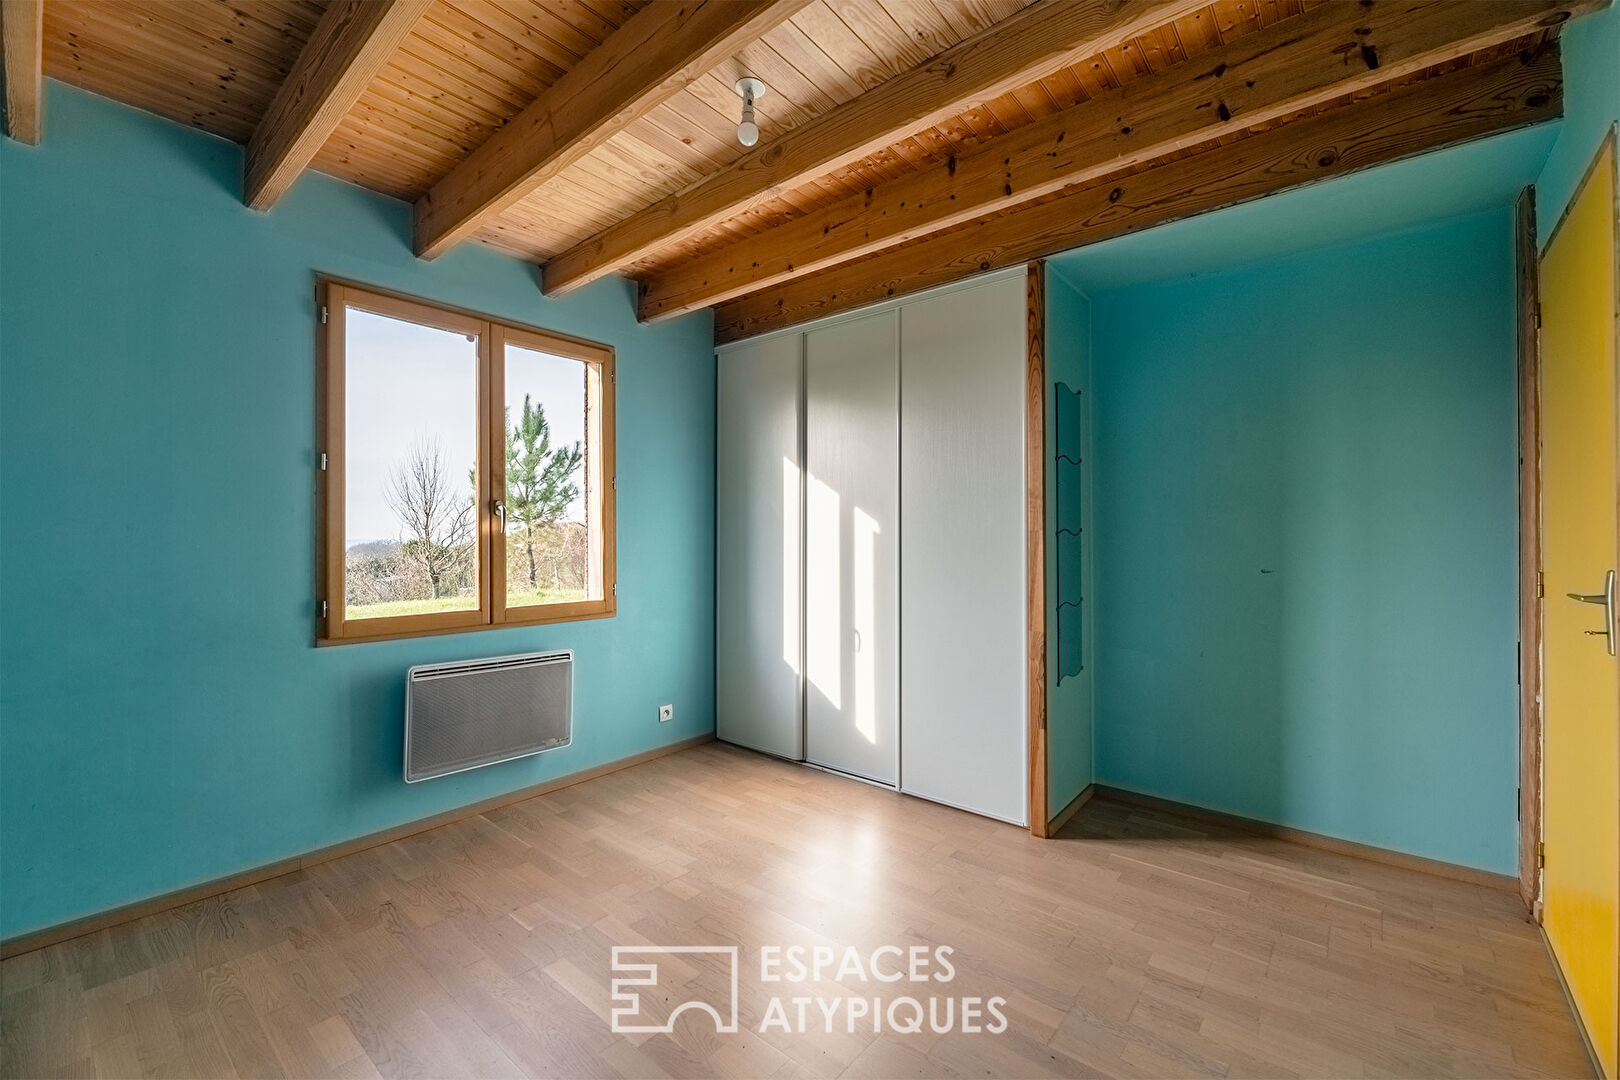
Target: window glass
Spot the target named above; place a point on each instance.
(410, 536)
(548, 543)
(468, 469)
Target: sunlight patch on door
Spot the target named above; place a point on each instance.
(823, 579)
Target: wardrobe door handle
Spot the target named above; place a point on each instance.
(1606, 601)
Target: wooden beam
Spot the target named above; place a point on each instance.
(351, 43)
(1038, 41)
(1440, 111)
(22, 55)
(662, 49)
(1298, 64)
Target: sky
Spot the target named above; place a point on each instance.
(406, 381)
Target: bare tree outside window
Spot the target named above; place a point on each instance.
(438, 516)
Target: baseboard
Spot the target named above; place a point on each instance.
(1320, 841)
(1569, 999)
(1062, 817)
(140, 909)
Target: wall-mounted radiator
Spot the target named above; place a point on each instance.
(477, 712)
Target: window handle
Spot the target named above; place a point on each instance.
(499, 507)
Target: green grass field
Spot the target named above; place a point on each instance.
(545, 596)
(458, 603)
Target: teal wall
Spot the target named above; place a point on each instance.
(1069, 701)
(1399, 195)
(1591, 50)
(164, 718)
(1306, 511)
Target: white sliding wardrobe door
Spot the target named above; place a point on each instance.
(758, 563)
(852, 547)
(962, 554)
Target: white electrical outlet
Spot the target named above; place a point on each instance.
(666, 713)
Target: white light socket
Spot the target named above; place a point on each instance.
(666, 713)
(750, 90)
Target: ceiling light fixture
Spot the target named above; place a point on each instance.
(751, 90)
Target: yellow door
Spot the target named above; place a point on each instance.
(1581, 703)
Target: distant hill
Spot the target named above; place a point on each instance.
(373, 549)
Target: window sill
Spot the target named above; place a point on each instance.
(599, 610)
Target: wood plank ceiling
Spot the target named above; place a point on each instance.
(886, 121)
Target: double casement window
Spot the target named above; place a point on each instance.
(468, 469)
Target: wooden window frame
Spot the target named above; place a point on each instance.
(335, 298)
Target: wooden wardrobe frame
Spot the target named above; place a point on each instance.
(1035, 540)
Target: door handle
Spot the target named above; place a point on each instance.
(1605, 600)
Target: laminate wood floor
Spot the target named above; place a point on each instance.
(1135, 944)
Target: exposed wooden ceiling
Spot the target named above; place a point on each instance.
(901, 140)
